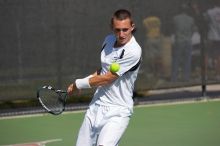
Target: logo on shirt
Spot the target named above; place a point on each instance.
(115, 58)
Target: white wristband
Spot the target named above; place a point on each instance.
(83, 83)
(89, 76)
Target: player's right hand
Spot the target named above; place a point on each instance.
(70, 89)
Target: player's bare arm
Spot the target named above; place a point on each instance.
(95, 80)
(101, 80)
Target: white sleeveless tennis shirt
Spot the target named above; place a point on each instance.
(119, 92)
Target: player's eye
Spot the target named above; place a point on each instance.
(121, 30)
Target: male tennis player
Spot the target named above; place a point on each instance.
(112, 105)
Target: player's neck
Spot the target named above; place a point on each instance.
(118, 45)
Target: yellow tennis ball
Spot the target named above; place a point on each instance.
(114, 67)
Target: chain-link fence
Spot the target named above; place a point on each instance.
(55, 41)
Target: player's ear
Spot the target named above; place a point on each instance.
(132, 26)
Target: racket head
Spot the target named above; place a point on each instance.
(52, 100)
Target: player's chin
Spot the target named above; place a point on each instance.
(123, 41)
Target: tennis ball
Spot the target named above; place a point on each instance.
(114, 67)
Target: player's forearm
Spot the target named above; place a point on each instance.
(101, 80)
(93, 80)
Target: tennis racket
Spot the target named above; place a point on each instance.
(52, 100)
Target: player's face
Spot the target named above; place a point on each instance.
(122, 30)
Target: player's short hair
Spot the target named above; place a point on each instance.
(122, 14)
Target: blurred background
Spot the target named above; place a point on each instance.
(53, 42)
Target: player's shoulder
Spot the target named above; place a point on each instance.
(133, 44)
(110, 38)
(133, 48)
(108, 42)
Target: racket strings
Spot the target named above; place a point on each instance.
(53, 101)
